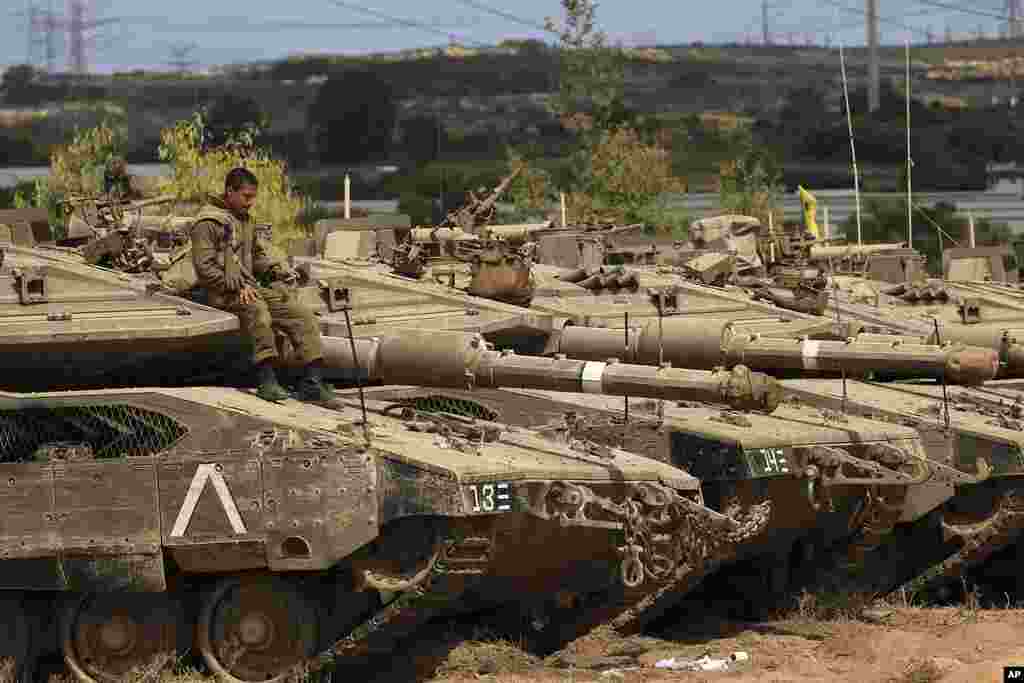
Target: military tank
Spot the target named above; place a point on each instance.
(975, 434)
(151, 512)
(830, 479)
(73, 337)
(151, 519)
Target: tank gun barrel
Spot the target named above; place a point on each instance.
(708, 343)
(460, 360)
(819, 251)
(1004, 338)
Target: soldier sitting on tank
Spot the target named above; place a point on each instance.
(118, 183)
(228, 257)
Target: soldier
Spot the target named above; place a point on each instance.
(228, 257)
(117, 181)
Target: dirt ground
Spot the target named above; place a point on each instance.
(881, 645)
(898, 645)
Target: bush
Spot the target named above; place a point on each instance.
(197, 174)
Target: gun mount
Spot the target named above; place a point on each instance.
(112, 233)
(497, 270)
(479, 210)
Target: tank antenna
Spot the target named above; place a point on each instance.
(843, 411)
(853, 149)
(945, 392)
(346, 304)
(626, 352)
(661, 352)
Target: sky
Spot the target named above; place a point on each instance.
(152, 34)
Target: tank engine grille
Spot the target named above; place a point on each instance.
(82, 432)
(437, 403)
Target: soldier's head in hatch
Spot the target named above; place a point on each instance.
(240, 190)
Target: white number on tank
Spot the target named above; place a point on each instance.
(490, 497)
(775, 461)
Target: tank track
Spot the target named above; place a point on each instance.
(979, 541)
(656, 569)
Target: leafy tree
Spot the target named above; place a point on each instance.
(353, 118)
(620, 169)
(198, 171)
(592, 74)
(886, 221)
(751, 183)
(232, 117)
(20, 84)
(421, 137)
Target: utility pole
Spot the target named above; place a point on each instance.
(1013, 14)
(179, 57)
(33, 27)
(871, 21)
(43, 25)
(76, 36)
(766, 36)
(78, 25)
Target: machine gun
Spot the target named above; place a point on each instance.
(499, 268)
(478, 210)
(110, 229)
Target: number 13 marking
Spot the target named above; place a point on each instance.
(490, 497)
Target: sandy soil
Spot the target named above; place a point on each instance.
(882, 645)
(951, 645)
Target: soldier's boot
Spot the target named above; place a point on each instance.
(312, 387)
(270, 389)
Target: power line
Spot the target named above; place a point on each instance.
(963, 10)
(884, 20)
(505, 15)
(239, 25)
(411, 23)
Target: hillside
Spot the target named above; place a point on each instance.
(487, 100)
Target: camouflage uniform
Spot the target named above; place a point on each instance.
(228, 256)
(117, 181)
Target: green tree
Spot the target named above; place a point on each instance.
(592, 74)
(422, 136)
(620, 170)
(751, 183)
(20, 84)
(232, 117)
(886, 221)
(353, 117)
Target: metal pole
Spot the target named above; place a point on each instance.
(871, 21)
(359, 374)
(348, 198)
(910, 163)
(626, 352)
(853, 149)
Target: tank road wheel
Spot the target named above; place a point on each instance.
(103, 636)
(256, 629)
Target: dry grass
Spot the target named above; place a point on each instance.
(920, 671)
(487, 657)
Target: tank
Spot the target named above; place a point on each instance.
(975, 434)
(270, 534)
(834, 483)
(148, 510)
(69, 325)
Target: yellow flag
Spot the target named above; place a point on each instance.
(810, 205)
